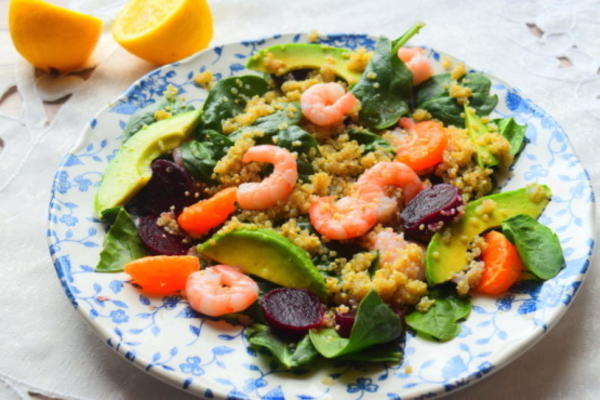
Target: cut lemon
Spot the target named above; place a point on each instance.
(52, 37)
(163, 31)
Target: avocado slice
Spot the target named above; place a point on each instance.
(130, 170)
(477, 130)
(304, 55)
(268, 255)
(447, 251)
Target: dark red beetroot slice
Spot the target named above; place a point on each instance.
(157, 240)
(170, 185)
(427, 212)
(345, 322)
(292, 311)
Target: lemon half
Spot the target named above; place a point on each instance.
(163, 31)
(52, 37)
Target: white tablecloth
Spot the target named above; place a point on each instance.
(46, 347)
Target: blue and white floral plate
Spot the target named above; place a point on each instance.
(166, 338)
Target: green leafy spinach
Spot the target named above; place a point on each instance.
(433, 96)
(513, 132)
(228, 97)
(440, 321)
(385, 86)
(537, 245)
(202, 154)
(375, 324)
(146, 116)
(121, 244)
(477, 130)
(304, 352)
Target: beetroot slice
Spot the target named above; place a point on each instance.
(345, 322)
(427, 212)
(157, 240)
(292, 311)
(170, 185)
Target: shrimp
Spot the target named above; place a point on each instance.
(371, 186)
(397, 253)
(417, 62)
(327, 104)
(220, 290)
(347, 218)
(274, 188)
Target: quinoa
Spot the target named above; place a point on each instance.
(536, 193)
(256, 107)
(204, 79)
(168, 222)
(162, 114)
(340, 157)
(460, 169)
(470, 276)
(313, 36)
(424, 304)
(359, 59)
(274, 65)
(301, 237)
(459, 71)
(230, 170)
(389, 280)
(421, 115)
(446, 63)
(460, 93)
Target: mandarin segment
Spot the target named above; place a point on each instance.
(161, 275)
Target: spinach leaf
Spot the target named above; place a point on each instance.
(228, 98)
(513, 132)
(440, 321)
(385, 86)
(109, 215)
(202, 154)
(146, 116)
(375, 324)
(387, 352)
(260, 335)
(480, 86)
(370, 140)
(537, 245)
(121, 244)
(433, 96)
(270, 125)
(477, 130)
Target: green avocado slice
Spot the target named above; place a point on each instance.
(130, 170)
(268, 255)
(447, 251)
(304, 55)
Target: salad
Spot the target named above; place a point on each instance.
(328, 203)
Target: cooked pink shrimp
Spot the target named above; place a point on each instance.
(371, 186)
(326, 104)
(396, 252)
(220, 290)
(416, 61)
(347, 218)
(274, 188)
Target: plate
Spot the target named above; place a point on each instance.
(164, 337)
